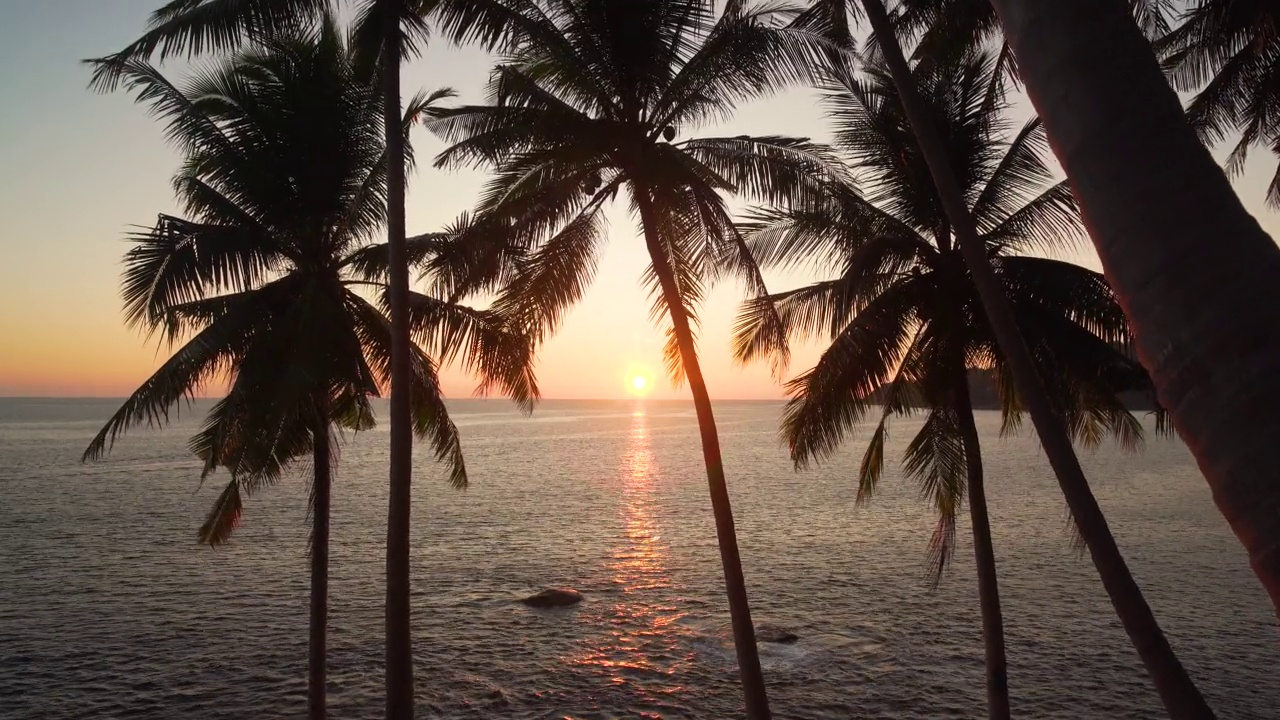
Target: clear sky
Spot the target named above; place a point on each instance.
(77, 169)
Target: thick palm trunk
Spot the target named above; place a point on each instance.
(985, 558)
(1178, 693)
(744, 633)
(1195, 273)
(399, 670)
(321, 487)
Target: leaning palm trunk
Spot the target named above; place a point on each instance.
(399, 670)
(1193, 270)
(984, 557)
(1180, 696)
(321, 489)
(744, 633)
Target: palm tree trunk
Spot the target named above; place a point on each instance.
(1194, 272)
(321, 487)
(984, 556)
(744, 632)
(1178, 693)
(399, 669)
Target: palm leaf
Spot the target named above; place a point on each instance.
(431, 418)
(502, 355)
(899, 397)
(555, 277)
(1049, 222)
(223, 518)
(772, 169)
(194, 27)
(827, 232)
(179, 262)
(209, 353)
(430, 415)
(748, 54)
(936, 458)
(829, 400)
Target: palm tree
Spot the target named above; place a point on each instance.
(283, 181)
(1193, 270)
(905, 322)
(387, 31)
(1177, 691)
(1230, 53)
(588, 102)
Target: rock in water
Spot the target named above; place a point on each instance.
(774, 634)
(553, 597)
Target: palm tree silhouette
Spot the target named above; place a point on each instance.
(283, 182)
(904, 320)
(386, 32)
(589, 101)
(1176, 689)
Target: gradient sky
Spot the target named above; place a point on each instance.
(77, 169)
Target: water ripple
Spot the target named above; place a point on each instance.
(109, 610)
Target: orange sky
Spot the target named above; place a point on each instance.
(77, 169)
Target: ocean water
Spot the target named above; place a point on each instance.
(108, 608)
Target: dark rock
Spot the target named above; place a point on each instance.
(553, 597)
(774, 634)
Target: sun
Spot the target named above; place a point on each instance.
(638, 384)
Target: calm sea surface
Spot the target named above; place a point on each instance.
(108, 608)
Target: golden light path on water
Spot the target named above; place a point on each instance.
(644, 632)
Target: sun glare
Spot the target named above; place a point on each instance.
(638, 383)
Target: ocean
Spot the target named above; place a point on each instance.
(109, 608)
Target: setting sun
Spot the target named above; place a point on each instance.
(638, 381)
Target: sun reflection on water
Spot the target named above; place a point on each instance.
(645, 630)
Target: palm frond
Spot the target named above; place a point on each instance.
(555, 277)
(771, 169)
(495, 24)
(1075, 293)
(831, 20)
(179, 262)
(685, 228)
(188, 126)
(871, 127)
(822, 309)
(872, 464)
(431, 418)
(430, 415)
(489, 134)
(829, 400)
(1021, 173)
(899, 397)
(749, 54)
(370, 263)
(481, 254)
(1049, 222)
(936, 458)
(265, 424)
(223, 518)
(211, 352)
(824, 234)
(195, 27)
(368, 32)
(502, 355)
(1229, 53)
